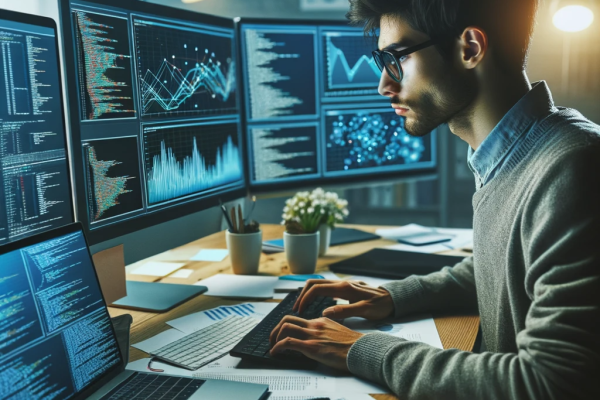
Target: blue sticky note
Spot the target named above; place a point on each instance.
(301, 278)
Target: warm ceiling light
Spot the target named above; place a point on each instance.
(190, 1)
(573, 18)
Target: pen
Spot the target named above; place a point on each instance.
(251, 210)
(233, 221)
(241, 219)
(224, 210)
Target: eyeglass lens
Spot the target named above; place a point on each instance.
(392, 67)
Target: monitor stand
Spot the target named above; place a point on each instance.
(156, 297)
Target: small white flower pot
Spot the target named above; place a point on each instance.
(244, 252)
(325, 239)
(301, 252)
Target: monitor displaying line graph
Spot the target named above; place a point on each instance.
(190, 159)
(349, 68)
(184, 71)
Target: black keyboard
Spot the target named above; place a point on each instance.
(255, 345)
(142, 386)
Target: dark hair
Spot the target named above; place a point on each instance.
(508, 23)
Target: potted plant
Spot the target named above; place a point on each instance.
(309, 217)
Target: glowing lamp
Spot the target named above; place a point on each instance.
(573, 18)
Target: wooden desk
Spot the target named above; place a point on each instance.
(455, 332)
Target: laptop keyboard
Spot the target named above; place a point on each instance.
(155, 387)
(200, 348)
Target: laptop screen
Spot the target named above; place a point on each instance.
(55, 332)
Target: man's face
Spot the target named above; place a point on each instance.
(433, 90)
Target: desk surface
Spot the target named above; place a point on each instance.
(455, 332)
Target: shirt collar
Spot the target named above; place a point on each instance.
(519, 119)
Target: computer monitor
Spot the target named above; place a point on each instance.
(154, 110)
(35, 184)
(313, 115)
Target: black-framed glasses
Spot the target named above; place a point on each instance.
(390, 59)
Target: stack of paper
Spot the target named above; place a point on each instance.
(460, 238)
(240, 286)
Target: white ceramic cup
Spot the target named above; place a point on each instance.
(301, 252)
(244, 252)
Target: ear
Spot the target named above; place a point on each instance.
(474, 46)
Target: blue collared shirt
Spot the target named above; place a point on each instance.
(499, 146)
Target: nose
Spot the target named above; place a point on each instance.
(388, 87)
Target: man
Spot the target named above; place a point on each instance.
(534, 277)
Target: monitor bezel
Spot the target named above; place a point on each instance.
(50, 23)
(149, 219)
(111, 373)
(299, 184)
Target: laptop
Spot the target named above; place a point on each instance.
(56, 336)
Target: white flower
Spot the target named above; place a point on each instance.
(302, 204)
(302, 211)
(286, 209)
(322, 211)
(310, 210)
(345, 212)
(296, 208)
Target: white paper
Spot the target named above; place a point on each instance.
(307, 382)
(402, 231)
(182, 274)
(295, 380)
(418, 328)
(214, 255)
(142, 366)
(279, 296)
(196, 321)
(156, 268)
(281, 395)
(239, 286)
(462, 238)
(279, 380)
(160, 340)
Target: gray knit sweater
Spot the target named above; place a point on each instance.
(534, 280)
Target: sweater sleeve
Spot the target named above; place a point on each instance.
(451, 289)
(558, 351)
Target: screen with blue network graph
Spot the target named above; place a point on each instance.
(56, 336)
(159, 119)
(35, 193)
(305, 128)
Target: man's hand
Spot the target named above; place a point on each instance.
(321, 339)
(365, 301)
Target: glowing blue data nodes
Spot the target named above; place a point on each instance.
(169, 178)
(371, 140)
